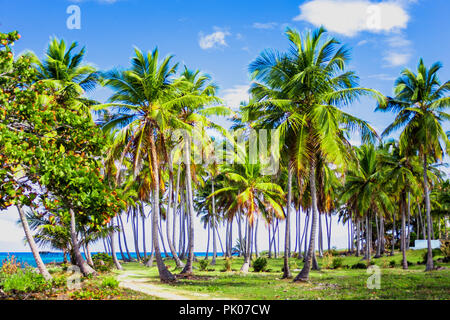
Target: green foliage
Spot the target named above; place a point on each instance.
(102, 262)
(337, 262)
(359, 265)
(259, 264)
(392, 263)
(59, 281)
(203, 264)
(445, 249)
(110, 282)
(25, 281)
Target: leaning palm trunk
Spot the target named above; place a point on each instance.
(113, 250)
(174, 202)
(88, 255)
(164, 274)
(34, 249)
(430, 265)
(190, 204)
(304, 273)
(80, 262)
(286, 269)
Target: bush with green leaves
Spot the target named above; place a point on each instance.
(337, 262)
(392, 263)
(25, 281)
(110, 282)
(203, 264)
(359, 265)
(102, 262)
(259, 264)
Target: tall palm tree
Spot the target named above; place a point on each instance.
(299, 93)
(143, 103)
(420, 104)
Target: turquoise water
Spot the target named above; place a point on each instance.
(26, 258)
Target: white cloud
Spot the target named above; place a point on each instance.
(395, 59)
(214, 39)
(349, 17)
(268, 25)
(235, 95)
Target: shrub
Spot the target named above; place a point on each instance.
(102, 262)
(59, 281)
(26, 281)
(259, 264)
(359, 265)
(337, 263)
(10, 265)
(392, 263)
(203, 264)
(110, 282)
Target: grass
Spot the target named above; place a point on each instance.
(341, 283)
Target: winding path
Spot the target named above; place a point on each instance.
(134, 282)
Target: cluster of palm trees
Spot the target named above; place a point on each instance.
(154, 111)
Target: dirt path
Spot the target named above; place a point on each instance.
(134, 282)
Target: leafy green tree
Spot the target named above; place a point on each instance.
(420, 104)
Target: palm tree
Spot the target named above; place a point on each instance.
(144, 101)
(63, 69)
(420, 102)
(252, 194)
(363, 189)
(299, 93)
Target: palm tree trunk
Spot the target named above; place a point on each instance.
(120, 242)
(164, 274)
(358, 235)
(430, 265)
(393, 235)
(286, 270)
(143, 231)
(304, 273)
(172, 202)
(305, 235)
(190, 202)
(207, 242)
(81, 263)
(113, 251)
(255, 236)
(88, 255)
(130, 258)
(213, 204)
(408, 239)
(320, 244)
(248, 246)
(382, 245)
(239, 222)
(33, 247)
(403, 236)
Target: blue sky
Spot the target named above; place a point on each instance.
(222, 37)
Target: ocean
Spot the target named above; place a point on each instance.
(26, 258)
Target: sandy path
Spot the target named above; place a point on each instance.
(126, 280)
